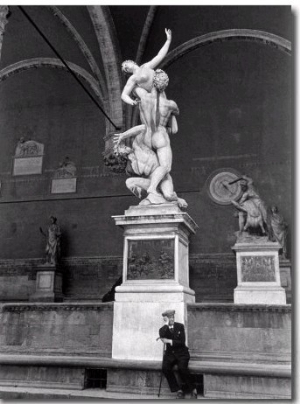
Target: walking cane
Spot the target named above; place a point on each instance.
(161, 373)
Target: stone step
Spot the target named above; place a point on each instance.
(27, 393)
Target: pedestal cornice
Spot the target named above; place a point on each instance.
(157, 214)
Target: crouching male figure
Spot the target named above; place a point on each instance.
(177, 353)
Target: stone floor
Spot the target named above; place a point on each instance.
(16, 393)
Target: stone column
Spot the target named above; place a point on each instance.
(155, 278)
(3, 21)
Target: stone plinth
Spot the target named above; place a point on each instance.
(258, 273)
(155, 278)
(48, 287)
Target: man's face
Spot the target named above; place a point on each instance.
(169, 320)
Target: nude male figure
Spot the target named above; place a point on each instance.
(160, 138)
(156, 134)
(147, 138)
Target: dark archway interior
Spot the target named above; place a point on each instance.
(234, 98)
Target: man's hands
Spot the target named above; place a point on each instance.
(169, 34)
(166, 340)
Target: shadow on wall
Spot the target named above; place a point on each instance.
(65, 243)
(110, 296)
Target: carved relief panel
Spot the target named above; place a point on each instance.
(150, 259)
(28, 158)
(64, 180)
(258, 268)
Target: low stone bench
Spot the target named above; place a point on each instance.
(68, 372)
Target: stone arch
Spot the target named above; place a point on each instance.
(262, 37)
(110, 52)
(132, 114)
(28, 64)
(82, 46)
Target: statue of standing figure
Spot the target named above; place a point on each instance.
(279, 229)
(150, 153)
(53, 242)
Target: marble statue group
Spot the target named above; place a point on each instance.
(148, 148)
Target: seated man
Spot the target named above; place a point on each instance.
(177, 353)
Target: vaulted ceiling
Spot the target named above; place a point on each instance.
(104, 79)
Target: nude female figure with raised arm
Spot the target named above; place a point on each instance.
(145, 76)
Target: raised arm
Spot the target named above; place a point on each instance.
(163, 52)
(248, 179)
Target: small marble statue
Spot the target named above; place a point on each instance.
(279, 228)
(53, 242)
(251, 208)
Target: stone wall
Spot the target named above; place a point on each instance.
(65, 329)
(237, 333)
(246, 349)
(234, 116)
(213, 277)
(241, 351)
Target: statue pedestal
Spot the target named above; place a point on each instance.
(48, 287)
(155, 278)
(258, 273)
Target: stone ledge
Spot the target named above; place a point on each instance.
(239, 307)
(29, 393)
(18, 263)
(70, 306)
(202, 367)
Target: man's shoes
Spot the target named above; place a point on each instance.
(180, 395)
(194, 395)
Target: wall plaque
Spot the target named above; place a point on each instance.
(258, 268)
(150, 259)
(63, 185)
(28, 157)
(44, 281)
(28, 165)
(64, 179)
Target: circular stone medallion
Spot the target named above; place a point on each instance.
(220, 188)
